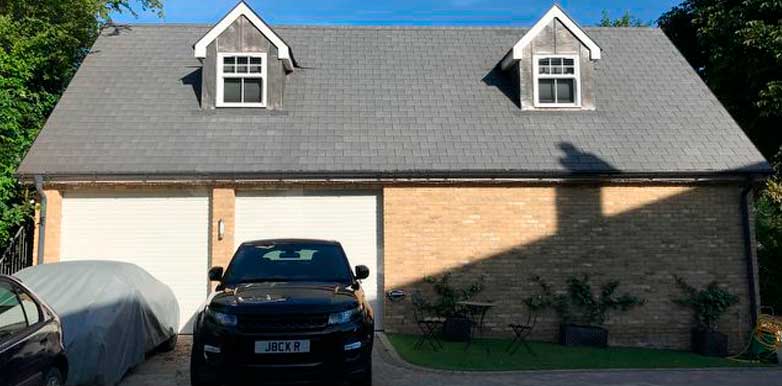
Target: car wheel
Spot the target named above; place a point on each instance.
(366, 378)
(169, 345)
(199, 372)
(53, 377)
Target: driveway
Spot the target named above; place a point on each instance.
(171, 369)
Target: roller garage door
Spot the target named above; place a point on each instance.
(347, 217)
(166, 234)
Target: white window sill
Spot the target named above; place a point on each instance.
(255, 105)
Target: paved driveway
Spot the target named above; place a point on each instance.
(171, 369)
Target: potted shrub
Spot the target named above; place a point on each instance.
(708, 305)
(457, 325)
(582, 314)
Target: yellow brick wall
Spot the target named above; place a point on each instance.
(640, 235)
(52, 229)
(221, 207)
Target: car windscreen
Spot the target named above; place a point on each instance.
(288, 262)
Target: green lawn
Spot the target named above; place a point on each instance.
(548, 356)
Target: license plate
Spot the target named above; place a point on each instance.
(282, 346)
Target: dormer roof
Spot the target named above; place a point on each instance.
(242, 9)
(554, 13)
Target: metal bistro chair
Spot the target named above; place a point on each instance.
(521, 332)
(430, 324)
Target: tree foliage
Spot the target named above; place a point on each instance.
(42, 43)
(448, 297)
(578, 304)
(626, 20)
(768, 215)
(736, 46)
(708, 304)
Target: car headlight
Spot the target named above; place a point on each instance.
(222, 319)
(344, 316)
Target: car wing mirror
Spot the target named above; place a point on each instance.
(216, 274)
(362, 272)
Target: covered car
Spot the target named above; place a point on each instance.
(112, 315)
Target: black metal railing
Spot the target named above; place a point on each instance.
(18, 253)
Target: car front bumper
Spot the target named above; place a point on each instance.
(333, 356)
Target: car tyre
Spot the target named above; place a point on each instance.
(366, 378)
(169, 345)
(53, 377)
(199, 371)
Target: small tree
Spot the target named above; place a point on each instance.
(580, 305)
(709, 304)
(448, 297)
(626, 20)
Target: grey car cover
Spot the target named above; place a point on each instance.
(112, 315)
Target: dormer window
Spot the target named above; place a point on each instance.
(556, 81)
(241, 80)
(554, 65)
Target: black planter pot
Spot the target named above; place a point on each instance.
(457, 329)
(709, 343)
(573, 335)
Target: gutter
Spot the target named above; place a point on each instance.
(42, 218)
(402, 177)
(748, 252)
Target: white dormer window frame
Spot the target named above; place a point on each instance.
(242, 9)
(556, 75)
(241, 74)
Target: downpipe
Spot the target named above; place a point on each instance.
(42, 218)
(747, 233)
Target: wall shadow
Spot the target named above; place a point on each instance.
(640, 235)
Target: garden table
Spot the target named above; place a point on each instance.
(476, 312)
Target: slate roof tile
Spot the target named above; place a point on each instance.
(385, 101)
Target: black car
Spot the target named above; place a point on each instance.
(285, 311)
(31, 349)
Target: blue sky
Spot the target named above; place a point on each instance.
(402, 12)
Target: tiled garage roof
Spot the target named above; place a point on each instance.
(386, 101)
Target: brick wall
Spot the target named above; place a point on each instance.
(52, 230)
(640, 235)
(222, 207)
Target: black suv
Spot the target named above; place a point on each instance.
(285, 311)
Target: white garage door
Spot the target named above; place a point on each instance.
(348, 218)
(164, 234)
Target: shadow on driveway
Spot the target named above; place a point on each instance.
(171, 369)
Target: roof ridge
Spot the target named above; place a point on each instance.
(327, 26)
(378, 27)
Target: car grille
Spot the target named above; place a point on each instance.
(282, 323)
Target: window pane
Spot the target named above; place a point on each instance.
(228, 64)
(546, 91)
(570, 70)
(567, 62)
(253, 90)
(255, 60)
(241, 64)
(255, 69)
(556, 70)
(30, 309)
(543, 62)
(11, 313)
(232, 90)
(544, 70)
(566, 90)
(556, 61)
